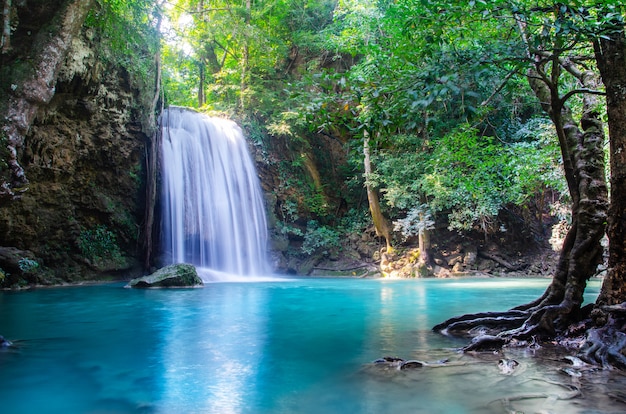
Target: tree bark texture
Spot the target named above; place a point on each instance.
(37, 86)
(381, 224)
(605, 342)
(5, 43)
(611, 58)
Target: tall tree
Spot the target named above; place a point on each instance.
(606, 341)
(381, 223)
(554, 37)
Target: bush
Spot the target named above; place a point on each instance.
(28, 265)
(319, 239)
(99, 245)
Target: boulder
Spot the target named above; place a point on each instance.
(176, 275)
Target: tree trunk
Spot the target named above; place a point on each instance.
(37, 85)
(5, 43)
(201, 82)
(582, 251)
(383, 228)
(245, 61)
(606, 341)
(611, 58)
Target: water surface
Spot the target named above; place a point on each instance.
(297, 346)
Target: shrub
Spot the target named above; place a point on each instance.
(99, 244)
(319, 239)
(28, 265)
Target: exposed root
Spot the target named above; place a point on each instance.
(605, 347)
(499, 320)
(617, 397)
(485, 343)
(401, 364)
(571, 393)
(492, 331)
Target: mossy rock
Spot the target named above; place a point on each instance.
(172, 276)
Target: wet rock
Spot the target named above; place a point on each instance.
(574, 361)
(5, 343)
(176, 275)
(401, 364)
(411, 364)
(571, 372)
(455, 258)
(470, 257)
(507, 366)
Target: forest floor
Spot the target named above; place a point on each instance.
(504, 254)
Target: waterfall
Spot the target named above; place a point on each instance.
(213, 214)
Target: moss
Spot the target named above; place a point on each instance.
(176, 275)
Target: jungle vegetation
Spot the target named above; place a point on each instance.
(446, 110)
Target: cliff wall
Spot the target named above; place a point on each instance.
(80, 215)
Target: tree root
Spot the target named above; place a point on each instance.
(492, 331)
(605, 346)
(571, 393)
(465, 323)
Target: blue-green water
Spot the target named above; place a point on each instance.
(297, 346)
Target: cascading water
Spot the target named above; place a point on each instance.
(213, 212)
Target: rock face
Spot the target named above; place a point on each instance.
(176, 275)
(80, 215)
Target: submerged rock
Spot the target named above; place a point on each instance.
(507, 366)
(176, 275)
(401, 364)
(5, 343)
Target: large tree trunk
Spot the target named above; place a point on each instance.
(606, 341)
(611, 58)
(37, 85)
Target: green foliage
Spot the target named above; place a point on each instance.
(468, 176)
(355, 221)
(320, 239)
(99, 245)
(130, 29)
(474, 176)
(415, 223)
(27, 265)
(439, 85)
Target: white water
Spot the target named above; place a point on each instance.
(213, 209)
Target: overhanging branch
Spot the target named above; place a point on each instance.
(580, 91)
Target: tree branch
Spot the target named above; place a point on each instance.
(502, 85)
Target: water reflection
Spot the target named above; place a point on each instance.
(211, 352)
(387, 324)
